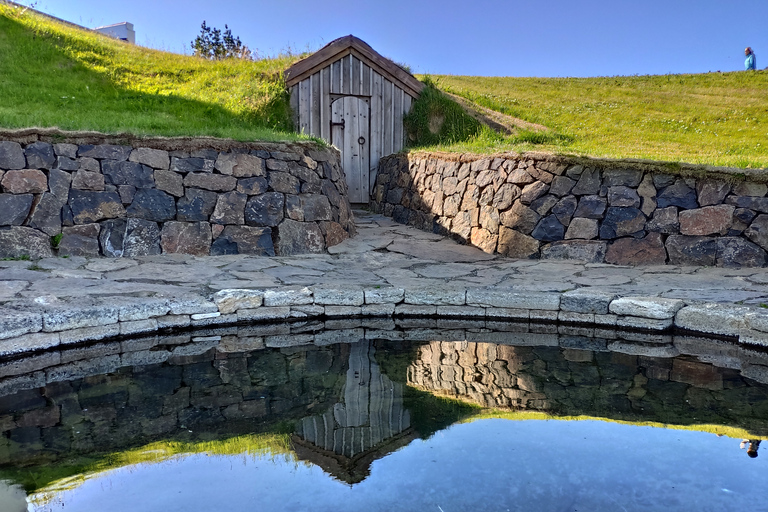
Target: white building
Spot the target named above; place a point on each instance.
(122, 31)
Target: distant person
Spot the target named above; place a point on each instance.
(752, 444)
(751, 62)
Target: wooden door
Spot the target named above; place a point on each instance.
(350, 132)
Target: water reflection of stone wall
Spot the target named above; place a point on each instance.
(680, 390)
(213, 391)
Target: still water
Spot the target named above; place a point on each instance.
(248, 421)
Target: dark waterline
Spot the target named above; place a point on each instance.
(373, 425)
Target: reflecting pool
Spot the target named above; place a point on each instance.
(446, 418)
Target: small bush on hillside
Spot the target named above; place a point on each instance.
(436, 119)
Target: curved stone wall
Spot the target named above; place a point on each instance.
(98, 195)
(545, 206)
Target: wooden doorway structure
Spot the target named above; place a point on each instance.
(349, 95)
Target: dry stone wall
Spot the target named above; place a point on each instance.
(543, 206)
(135, 199)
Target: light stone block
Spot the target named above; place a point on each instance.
(646, 307)
(147, 308)
(308, 311)
(575, 318)
(192, 306)
(291, 340)
(647, 338)
(144, 357)
(263, 313)
(236, 344)
(82, 369)
(543, 315)
(572, 330)
(343, 336)
(651, 324)
(623, 347)
(138, 327)
(338, 297)
(411, 310)
(507, 313)
(584, 343)
(229, 301)
(89, 334)
(606, 320)
(757, 319)
(214, 320)
(384, 295)
(140, 343)
(488, 297)
(173, 321)
(75, 318)
(29, 343)
(586, 300)
(24, 382)
(342, 311)
(30, 364)
(18, 323)
(753, 337)
(435, 297)
(713, 319)
(288, 297)
(385, 310)
(204, 316)
(461, 311)
(756, 372)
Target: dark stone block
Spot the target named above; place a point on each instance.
(244, 240)
(88, 206)
(22, 401)
(284, 183)
(11, 156)
(152, 204)
(207, 181)
(622, 177)
(591, 207)
(630, 251)
(744, 215)
(564, 209)
(623, 196)
(298, 238)
(128, 173)
(230, 209)
(401, 214)
(663, 180)
(196, 205)
(759, 204)
(66, 164)
(112, 237)
(621, 222)
(561, 186)
(543, 205)
(14, 208)
(142, 238)
(185, 165)
(40, 155)
(395, 195)
(590, 251)
(758, 231)
(677, 194)
(265, 209)
(105, 152)
(46, 215)
(665, 220)
(186, 238)
(549, 229)
(737, 252)
(82, 240)
(316, 207)
(59, 183)
(691, 250)
(293, 209)
(588, 184)
(252, 186)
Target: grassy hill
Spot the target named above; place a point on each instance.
(55, 75)
(712, 118)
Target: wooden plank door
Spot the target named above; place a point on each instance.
(350, 132)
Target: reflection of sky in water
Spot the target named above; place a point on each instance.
(485, 465)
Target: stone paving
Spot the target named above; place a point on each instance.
(387, 270)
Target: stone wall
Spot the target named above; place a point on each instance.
(91, 197)
(544, 206)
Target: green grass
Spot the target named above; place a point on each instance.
(713, 118)
(53, 75)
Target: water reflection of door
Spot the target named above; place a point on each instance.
(350, 133)
(367, 419)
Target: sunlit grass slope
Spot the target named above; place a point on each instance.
(713, 118)
(54, 75)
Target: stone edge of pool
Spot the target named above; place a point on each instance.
(45, 326)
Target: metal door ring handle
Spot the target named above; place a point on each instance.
(361, 140)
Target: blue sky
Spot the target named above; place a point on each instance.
(475, 37)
